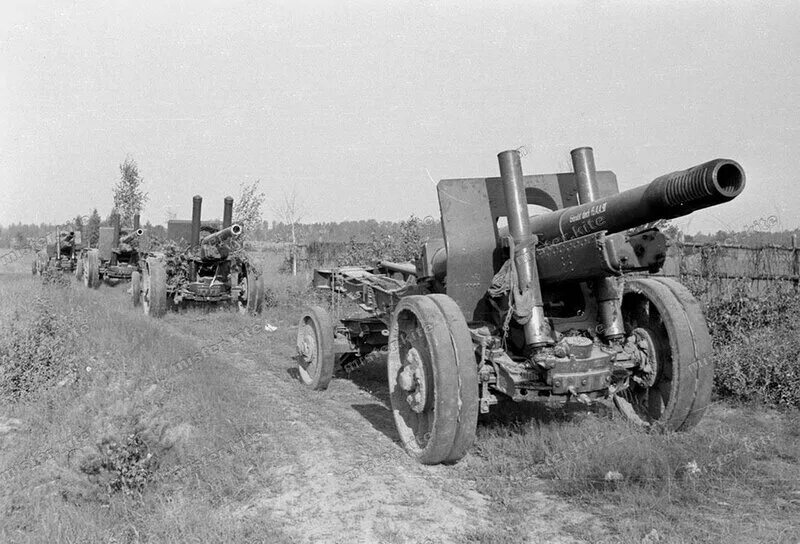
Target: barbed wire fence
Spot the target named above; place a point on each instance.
(724, 270)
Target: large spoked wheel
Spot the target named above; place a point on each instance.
(251, 292)
(154, 288)
(674, 388)
(136, 288)
(423, 379)
(316, 358)
(91, 269)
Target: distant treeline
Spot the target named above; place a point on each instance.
(344, 231)
(17, 235)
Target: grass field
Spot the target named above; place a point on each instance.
(193, 429)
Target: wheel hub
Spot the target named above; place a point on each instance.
(411, 379)
(307, 345)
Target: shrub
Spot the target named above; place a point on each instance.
(763, 367)
(401, 243)
(124, 466)
(756, 346)
(38, 352)
(55, 277)
(270, 297)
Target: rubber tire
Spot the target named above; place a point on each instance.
(683, 343)
(316, 325)
(468, 391)
(79, 269)
(432, 342)
(154, 288)
(255, 293)
(136, 288)
(703, 351)
(91, 277)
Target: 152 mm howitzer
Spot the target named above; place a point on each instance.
(544, 306)
(212, 269)
(59, 255)
(116, 256)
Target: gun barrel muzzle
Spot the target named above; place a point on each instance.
(222, 235)
(666, 197)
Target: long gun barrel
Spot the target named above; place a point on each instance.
(131, 236)
(667, 197)
(222, 235)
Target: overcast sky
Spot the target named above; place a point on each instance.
(362, 106)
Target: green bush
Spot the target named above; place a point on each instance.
(401, 243)
(39, 351)
(125, 466)
(54, 277)
(756, 346)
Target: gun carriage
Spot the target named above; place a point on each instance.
(61, 255)
(115, 259)
(557, 304)
(213, 269)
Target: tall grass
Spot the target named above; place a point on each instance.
(97, 458)
(736, 477)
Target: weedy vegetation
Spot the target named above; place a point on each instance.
(108, 444)
(94, 426)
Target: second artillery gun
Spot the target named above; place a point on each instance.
(116, 258)
(213, 269)
(60, 255)
(551, 305)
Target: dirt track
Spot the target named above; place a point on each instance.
(341, 474)
(335, 471)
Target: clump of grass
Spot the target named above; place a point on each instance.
(270, 297)
(56, 278)
(734, 462)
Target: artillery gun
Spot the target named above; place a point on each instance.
(115, 259)
(61, 255)
(213, 269)
(554, 305)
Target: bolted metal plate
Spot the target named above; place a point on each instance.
(578, 259)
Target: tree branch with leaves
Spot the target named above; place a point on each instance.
(247, 208)
(129, 198)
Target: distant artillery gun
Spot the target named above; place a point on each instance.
(554, 305)
(213, 269)
(61, 255)
(116, 258)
